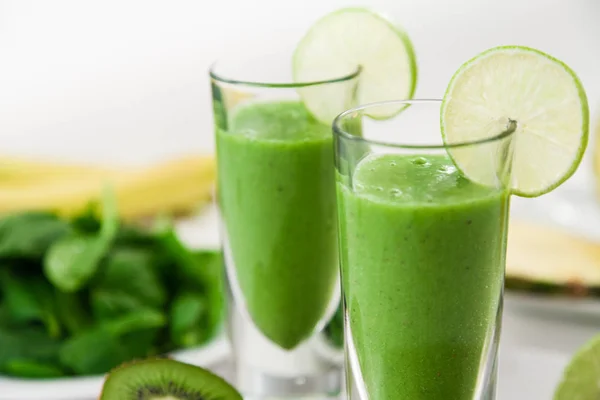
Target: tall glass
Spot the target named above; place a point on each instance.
(422, 249)
(276, 193)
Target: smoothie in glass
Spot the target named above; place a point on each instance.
(277, 200)
(422, 252)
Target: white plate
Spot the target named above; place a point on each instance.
(563, 308)
(89, 388)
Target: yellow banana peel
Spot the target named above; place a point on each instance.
(177, 186)
(16, 172)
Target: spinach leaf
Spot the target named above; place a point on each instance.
(138, 332)
(29, 299)
(132, 236)
(140, 320)
(200, 272)
(109, 304)
(211, 263)
(143, 343)
(5, 319)
(27, 343)
(71, 262)
(72, 311)
(24, 368)
(20, 302)
(189, 320)
(87, 222)
(29, 235)
(102, 348)
(128, 281)
(93, 352)
(183, 266)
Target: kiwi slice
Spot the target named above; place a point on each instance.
(164, 379)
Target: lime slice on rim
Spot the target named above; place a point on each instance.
(581, 378)
(348, 39)
(542, 97)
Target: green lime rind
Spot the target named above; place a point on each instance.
(412, 59)
(365, 94)
(580, 378)
(414, 74)
(583, 138)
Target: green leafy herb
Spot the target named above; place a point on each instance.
(29, 299)
(211, 263)
(128, 281)
(186, 265)
(81, 296)
(72, 261)
(189, 320)
(32, 369)
(27, 343)
(201, 271)
(140, 320)
(72, 312)
(101, 348)
(29, 235)
(93, 352)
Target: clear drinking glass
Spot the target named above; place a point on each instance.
(276, 194)
(422, 249)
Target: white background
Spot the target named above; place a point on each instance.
(126, 81)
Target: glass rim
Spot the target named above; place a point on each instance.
(338, 131)
(259, 83)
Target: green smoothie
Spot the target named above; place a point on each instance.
(422, 265)
(277, 198)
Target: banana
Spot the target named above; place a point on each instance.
(175, 187)
(15, 171)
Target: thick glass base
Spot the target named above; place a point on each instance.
(312, 370)
(257, 385)
(489, 392)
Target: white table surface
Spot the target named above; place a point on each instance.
(533, 353)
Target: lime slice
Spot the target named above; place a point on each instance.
(528, 90)
(348, 39)
(596, 155)
(580, 378)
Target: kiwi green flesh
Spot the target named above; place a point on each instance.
(163, 379)
(572, 290)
